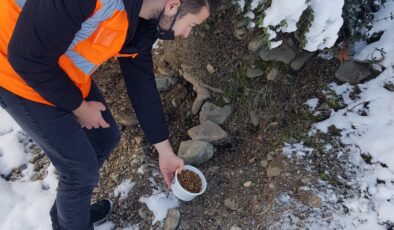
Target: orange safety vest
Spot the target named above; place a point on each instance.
(92, 46)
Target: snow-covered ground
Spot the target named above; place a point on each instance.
(370, 133)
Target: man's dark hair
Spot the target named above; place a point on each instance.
(195, 6)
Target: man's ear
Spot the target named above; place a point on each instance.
(171, 7)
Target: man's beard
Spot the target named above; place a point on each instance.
(166, 21)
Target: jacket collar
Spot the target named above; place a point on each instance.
(133, 8)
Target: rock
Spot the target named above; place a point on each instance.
(252, 160)
(226, 100)
(195, 152)
(323, 112)
(352, 72)
(300, 61)
(172, 219)
(254, 118)
(271, 185)
(264, 163)
(109, 100)
(210, 69)
(35, 158)
(166, 71)
(37, 177)
(273, 171)
(256, 44)
(207, 131)
(303, 197)
(142, 212)
(389, 87)
(114, 177)
(125, 120)
(174, 103)
(214, 113)
(292, 141)
(165, 83)
(272, 74)
(315, 201)
(283, 54)
(240, 33)
(247, 184)
(231, 204)
(254, 72)
(235, 228)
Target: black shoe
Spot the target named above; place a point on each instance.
(101, 211)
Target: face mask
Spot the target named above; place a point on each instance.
(169, 34)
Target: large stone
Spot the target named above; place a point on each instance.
(254, 72)
(256, 44)
(315, 201)
(231, 204)
(195, 152)
(235, 228)
(214, 113)
(283, 54)
(210, 69)
(172, 219)
(165, 83)
(389, 87)
(125, 120)
(273, 171)
(207, 131)
(300, 61)
(352, 72)
(272, 74)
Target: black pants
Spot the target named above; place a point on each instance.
(76, 153)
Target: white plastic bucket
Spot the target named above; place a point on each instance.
(182, 193)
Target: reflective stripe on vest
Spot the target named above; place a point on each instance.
(101, 37)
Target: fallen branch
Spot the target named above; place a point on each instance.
(200, 88)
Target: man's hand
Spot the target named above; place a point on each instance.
(89, 115)
(169, 162)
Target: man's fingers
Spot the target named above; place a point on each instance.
(181, 166)
(102, 106)
(171, 178)
(167, 180)
(104, 124)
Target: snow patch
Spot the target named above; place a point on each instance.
(123, 189)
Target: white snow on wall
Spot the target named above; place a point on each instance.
(290, 11)
(326, 24)
(323, 32)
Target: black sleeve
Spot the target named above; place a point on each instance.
(43, 32)
(144, 96)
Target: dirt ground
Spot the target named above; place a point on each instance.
(250, 149)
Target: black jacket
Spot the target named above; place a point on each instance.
(44, 31)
